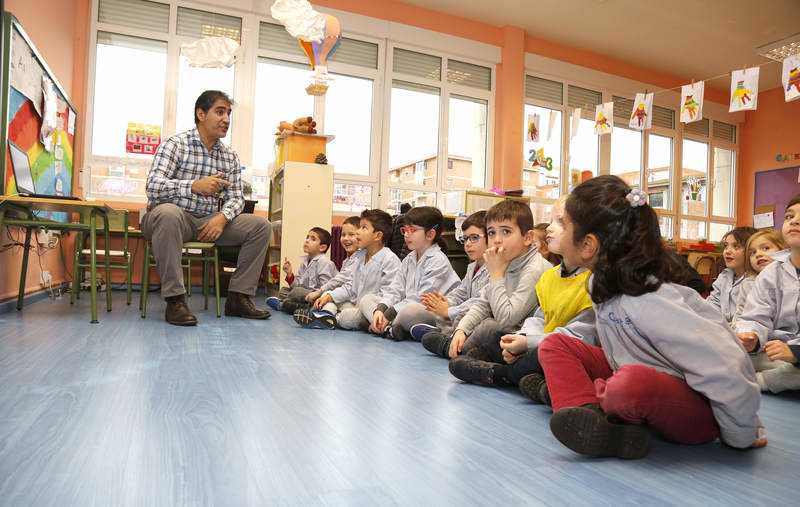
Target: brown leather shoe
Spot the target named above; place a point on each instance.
(178, 313)
(240, 305)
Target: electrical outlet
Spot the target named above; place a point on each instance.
(42, 237)
(45, 278)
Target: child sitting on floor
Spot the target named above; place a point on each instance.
(668, 359)
(725, 291)
(349, 240)
(758, 255)
(314, 272)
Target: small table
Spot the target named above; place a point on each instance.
(28, 205)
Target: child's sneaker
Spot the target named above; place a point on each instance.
(274, 303)
(472, 370)
(312, 319)
(437, 343)
(587, 430)
(534, 387)
(419, 330)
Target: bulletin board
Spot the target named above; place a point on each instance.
(776, 188)
(22, 96)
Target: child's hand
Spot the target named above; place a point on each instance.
(287, 267)
(311, 296)
(749, 341)
(457, 343)
(495, 263)
(379, 322)
(437, 304)
(778, 350)
(513, 346)
(324, 300)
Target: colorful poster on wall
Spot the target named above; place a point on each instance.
(604, 118)
(744, 89)
(533, 128)
(642, 115)
(576, 121)
(142, 138)
(791, 77)
(692, 102)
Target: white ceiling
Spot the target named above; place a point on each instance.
(690, 39)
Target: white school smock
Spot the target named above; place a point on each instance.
(372, 277)
(725, 293)
(313, 274)
(674, 331)
(772, 310)
(468, 291)
(420, 275)
(343, 274)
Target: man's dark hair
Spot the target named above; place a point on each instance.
(207, 99)
(323, 235)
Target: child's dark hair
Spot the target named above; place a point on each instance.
(740, 234)
(631, 258)
(354, 221)
(324, 237)
(795, 200)
(381, 222)
(510, 209)
(429, 218)
(477, 219)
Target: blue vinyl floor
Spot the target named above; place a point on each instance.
(238, 412)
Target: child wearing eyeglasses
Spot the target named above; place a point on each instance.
(425, 269)
(449, 309)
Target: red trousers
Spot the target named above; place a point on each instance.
(578, 374)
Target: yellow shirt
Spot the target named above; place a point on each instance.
(562, 298)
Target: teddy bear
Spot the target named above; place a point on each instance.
(305, 125)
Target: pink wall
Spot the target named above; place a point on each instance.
(768, 131)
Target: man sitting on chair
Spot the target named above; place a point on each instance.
(191, 171)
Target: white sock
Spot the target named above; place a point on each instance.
(761, 383)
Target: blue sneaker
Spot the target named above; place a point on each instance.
(274, 303)
(312, 319)
(419, 330)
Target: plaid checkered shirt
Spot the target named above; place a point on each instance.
(180, 161)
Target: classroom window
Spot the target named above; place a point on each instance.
(724, 186)
(351, 198)
(542, 212)
(665, 224)
(538, 180)
(693, 229)
(694, 179)
(659, 171)
(466, 145)
(626, 155)
(414, 133)
(348, 115)
(716, 231)
(398, 196)
(192, 81)
(583, 153)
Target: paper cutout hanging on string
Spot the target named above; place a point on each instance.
(791, 77)
(692, 102)
(576, 121)
(642, 115)
(537, 158)
(533, 128)
(553, 118)
(604, 118)
(744, 89)
(300, 19)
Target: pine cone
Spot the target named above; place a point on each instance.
(321, 159)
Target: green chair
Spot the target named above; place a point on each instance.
(208, 255)
(120, 259)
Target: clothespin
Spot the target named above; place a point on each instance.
(692, 83)
(744, 69)
(645, 91)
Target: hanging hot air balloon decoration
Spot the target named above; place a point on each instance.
(318, 54)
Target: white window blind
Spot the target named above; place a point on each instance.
(544, 89)
(417, 64)
(126, 41)
(284, 63)
(199, 24)
(663, 117)
(724, 132)
(274, 37)
(356, 52)
(140, 14)
(623, 110)
(415, 87)
(467, 74)
(581, 97)
(698, 128)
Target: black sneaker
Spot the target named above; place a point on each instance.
(588, 431)
(534, 387)
(472, 370)
(314, 320)
(478, 353)
(437, 343)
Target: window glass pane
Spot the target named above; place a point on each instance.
(665, 224)
(277, 79)
(348, 116)
(537, 180)
(129, 87)
(693, 229)
(413, 137)
(192, 81)
(626, 155)
(398, 196)
(542, 213)
(351, 198)
(659, 171)
(694, 178)
(716, 231)
(583, 152)
(723, 182)
(466, 142)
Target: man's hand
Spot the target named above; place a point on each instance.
(324, 300)
(778, 351)
(379, 322)
(311, 296)
(436, 303)
(513, 346)
(495, 263)
(749, 341)
(287, 267)
(457, 343)
(212, 229)
(210, 185)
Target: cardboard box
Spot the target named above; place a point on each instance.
(300, 147)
